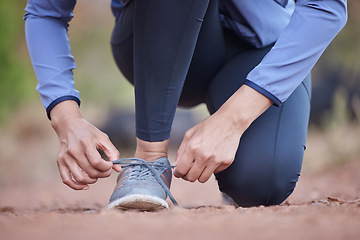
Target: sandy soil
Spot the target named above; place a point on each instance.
(34, 204)
(324, 206)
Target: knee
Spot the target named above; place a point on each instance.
(256, 193)
(280, 191)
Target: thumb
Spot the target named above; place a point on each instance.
(109, 149)
(111, 152)
(182, 147)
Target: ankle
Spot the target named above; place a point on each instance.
(151, 151)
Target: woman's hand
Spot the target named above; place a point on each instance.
(211, 145)
(78, 160)
(206, 148)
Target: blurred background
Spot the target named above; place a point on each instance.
(28, 145)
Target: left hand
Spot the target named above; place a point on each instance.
(208, 147)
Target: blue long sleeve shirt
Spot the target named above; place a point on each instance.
(302, 31)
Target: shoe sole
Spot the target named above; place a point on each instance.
(139, 202)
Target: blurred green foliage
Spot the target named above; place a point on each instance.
(97, 77)
(345, 50)
(336, 77)
(15, 83)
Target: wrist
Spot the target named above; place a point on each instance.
(244, 106)
(64, 111)
(237, 121)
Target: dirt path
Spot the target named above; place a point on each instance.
(324, 206)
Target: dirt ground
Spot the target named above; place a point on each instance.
(34, 204)
(325, 205)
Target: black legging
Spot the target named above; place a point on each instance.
(176, 52)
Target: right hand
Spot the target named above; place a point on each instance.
(78, 160)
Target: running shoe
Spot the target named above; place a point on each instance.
(227, 200)
(142, 185)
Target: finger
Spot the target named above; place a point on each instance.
(183, 145)
(83, 162)
(68, 180)
(79, 175)
(221, 168)
(206, 174)
(108, 148)
(117, 167)
(96, 161)
(110, 151)
(88, 169)
(180, 151)
(184, 164)
(195, 171)
(91, 171)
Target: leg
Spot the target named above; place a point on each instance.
(161, 44)
(164, 39)
(122, 48)
(162, 36)
(268, 162)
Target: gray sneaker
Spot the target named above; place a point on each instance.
(227, 200)
(142, 185)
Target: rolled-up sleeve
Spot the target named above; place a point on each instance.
(46, 25)
(312, 27)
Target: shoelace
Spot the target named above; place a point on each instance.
(129, 162)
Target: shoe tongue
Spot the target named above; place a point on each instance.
(137, 168)
(140, 172)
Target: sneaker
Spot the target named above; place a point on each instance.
(142, 185)
(227, 200)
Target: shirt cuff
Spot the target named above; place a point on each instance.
(264, 92)
(59, 100)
